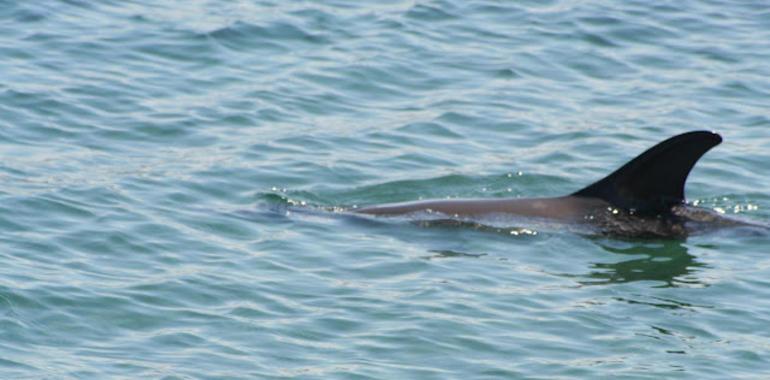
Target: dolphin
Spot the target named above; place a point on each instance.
(644, 197)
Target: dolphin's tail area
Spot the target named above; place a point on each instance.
(654, 181)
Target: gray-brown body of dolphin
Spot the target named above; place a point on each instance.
(567, 208)
(643, 197)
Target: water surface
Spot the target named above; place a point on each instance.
(147, 146)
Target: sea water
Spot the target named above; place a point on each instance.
(153, 152)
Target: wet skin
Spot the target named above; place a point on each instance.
(567, 208)
(643, 197)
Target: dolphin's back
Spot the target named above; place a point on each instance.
(653, 182)
(638, 199)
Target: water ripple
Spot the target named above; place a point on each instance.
(173, 175)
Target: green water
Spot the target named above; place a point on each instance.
(148, 144)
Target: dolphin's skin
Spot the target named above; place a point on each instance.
(568, 208)
(645, 197)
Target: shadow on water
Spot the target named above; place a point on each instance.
(666, 261)
(448, 253)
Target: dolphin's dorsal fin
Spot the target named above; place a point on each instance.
(654, 181)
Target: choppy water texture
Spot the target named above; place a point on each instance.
(150, 149)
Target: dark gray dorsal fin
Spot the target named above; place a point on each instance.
(654, 181)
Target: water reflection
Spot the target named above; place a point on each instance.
(667, 262)
(447, 253)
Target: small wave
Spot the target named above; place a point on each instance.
(280, 36)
